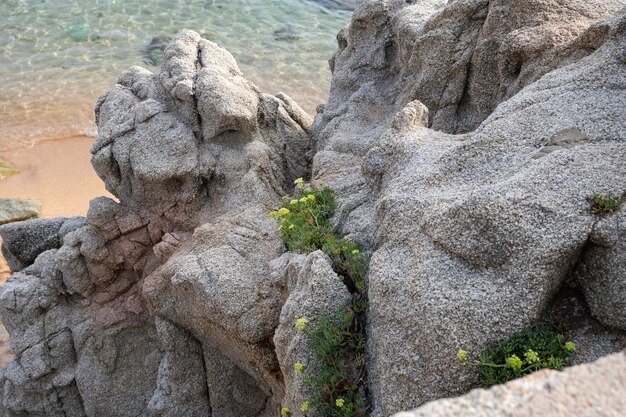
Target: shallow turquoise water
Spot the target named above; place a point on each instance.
(58, 56)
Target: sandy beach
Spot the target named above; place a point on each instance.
(56, 172)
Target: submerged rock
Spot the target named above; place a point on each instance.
(79, 32)
(286, 34)
(154, 51)
(347, 5)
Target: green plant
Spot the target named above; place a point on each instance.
(605, 203)
(536, 347)
(338, 342)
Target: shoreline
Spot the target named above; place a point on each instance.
(56, 172)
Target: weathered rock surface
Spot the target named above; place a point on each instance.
(314, 291)
(161, 304)
(475, 234)
(595, 389)
(23, 242)
(461, 139)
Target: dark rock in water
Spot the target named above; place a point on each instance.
(348, 5)
(153, 54)
(79, 32)
(286, 34)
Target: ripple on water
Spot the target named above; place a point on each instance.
(57, 57)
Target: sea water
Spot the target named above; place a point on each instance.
(58, 56)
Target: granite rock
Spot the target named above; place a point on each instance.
(580, 390)
(461, 139)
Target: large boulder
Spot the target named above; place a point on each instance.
(474, 235)
(580, 390)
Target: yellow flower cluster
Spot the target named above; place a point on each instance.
(282, 212)
(298, 367)
(301, 323)
(462, 355)
(304, 407)
(570, 346)
(302, 200)
(340, 402)
(285, 412)
(532, 356)
(514, 362)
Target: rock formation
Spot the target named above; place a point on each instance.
(546, 393)
(475, 234)
(461, 139)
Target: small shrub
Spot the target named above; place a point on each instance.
(605, 203)
(305, 219)
(338, 344)
(537, 347)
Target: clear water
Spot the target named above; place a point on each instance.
(58, 56)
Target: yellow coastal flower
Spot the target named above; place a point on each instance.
(298, 367)
(462, 355)
(299, 181)
(292, 226)
(514, 362)
(355, 252)
(283, 211)
(340, 402)
(303, 200)
(570, 346)
(304, 407)
(285, 412)
(310, 197)
(273, 213)
(293, 202)
(301, 323)
(531, 356)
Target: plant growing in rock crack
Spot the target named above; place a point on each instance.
(338, 344)
(536, 347)
(605, 203)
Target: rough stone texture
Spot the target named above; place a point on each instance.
(23, 241)
(595, 389)
(314, 291)
(602, 272)
(12, 210)
(181, 385)
(475, 234)
(461, 138)
(156, 304)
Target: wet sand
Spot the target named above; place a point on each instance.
(56, 172)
